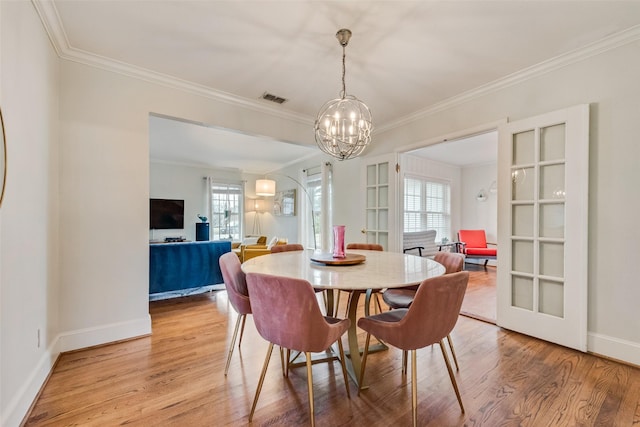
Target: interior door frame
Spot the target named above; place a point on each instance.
(452, 136)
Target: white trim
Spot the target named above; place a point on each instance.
(104, 334)
(53, 26)
(615, 348)
(608, 43)
(20, 403)
(17, 408)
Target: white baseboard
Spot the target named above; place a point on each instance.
(68, 341)
(89, 337)
(614, 348)
(21, 401)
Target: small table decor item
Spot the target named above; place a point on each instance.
(329, 259)
(338, 241)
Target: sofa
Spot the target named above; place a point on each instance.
(185, 265)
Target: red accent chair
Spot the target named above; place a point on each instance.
(474, 245)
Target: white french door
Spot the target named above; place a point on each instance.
(543, 181)
(380, 182)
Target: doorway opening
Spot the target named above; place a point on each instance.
(468, 164)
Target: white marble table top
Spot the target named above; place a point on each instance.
(380, 270)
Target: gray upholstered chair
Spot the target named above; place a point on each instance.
(286, 313)
(430, 318)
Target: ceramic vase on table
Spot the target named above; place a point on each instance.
(338, 241)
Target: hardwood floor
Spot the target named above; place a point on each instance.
(480, 298)
(175, 378)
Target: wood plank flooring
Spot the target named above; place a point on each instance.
(480, 298)
(175, 378)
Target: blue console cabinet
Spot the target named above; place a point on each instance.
(184, 265)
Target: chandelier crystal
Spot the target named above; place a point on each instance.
(343, 126)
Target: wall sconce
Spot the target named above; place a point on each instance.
(482, 195)
(493, 188)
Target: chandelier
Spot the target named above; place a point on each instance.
(343, 126)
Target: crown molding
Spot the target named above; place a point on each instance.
(603, 45)
(50, 18)
(53, 26)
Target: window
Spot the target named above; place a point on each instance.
(427, 206)
(226, 211)
(314, 188)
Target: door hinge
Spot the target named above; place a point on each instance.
(397, 168)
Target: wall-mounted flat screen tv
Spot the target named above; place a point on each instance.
(166, 214)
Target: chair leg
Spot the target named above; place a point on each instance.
(282, 362)
(453, 378)
(414, 389)
(244, 319)
(378, 303)
(367, 302)
(404, 362)
(233, 342)
(310, 387)
(288, 362)
(453, 352)
(262, 375)
(364, 362)
(485, 263)
(344, 367)
(337, 301)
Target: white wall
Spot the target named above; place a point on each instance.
(170, 181)
(480, 214)
(102, 177)
(608, 81)
(29, 262)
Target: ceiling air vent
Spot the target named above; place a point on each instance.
(273, 98)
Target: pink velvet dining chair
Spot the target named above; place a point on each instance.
(375, 292)
(286, 313)
(403, 297)
(430, 318)
(236, 285)
(287, 248)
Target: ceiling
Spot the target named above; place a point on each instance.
(405, 57)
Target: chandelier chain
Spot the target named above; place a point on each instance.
(344, 72)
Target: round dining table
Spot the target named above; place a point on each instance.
(362, 271)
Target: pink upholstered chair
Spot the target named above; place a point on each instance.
(474, 245)
(376, 293)
(236, 286)
(286, 248)
(403, 297)
(429, 319)
(365, 246)
(286, 313)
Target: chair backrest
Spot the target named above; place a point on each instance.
(365, 246)
(235, 282)
(286, 313)
(452, 262)
(287, 248)
(425, 239)
(433, 312)
(473, 238)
